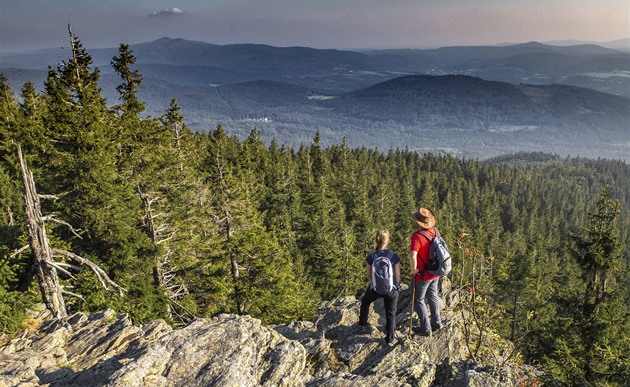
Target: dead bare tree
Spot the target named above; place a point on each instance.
(44, 264)
(164, 272)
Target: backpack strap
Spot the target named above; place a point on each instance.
(389, 255)
(424, 234)
(435, 230)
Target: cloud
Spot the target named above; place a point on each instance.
(166, 12)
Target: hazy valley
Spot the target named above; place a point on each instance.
(474, 102)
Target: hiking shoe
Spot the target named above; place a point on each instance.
(436, 327)
(392, 343)
(364, 329)
(422, 333)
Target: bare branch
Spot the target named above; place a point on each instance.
(158, 215)
(55, 196)
(177, 292)
(75, 267)
(52, 197)
(166, 239)
(168, 276)
(10, 214)
(55, 220)
(100, 273)
(67, 293)
(61, 269)
(19, 251)
(183, 307)
(162, 227)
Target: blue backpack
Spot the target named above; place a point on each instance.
(383, 273)
(439, 256)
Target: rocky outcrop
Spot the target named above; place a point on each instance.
(106, 349)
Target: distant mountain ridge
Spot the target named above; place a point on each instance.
(618, 44)
(339, 71)
(499, 96)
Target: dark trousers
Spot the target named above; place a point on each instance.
(391, 302)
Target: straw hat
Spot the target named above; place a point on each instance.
(424, 217)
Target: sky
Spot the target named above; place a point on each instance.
(27, 25)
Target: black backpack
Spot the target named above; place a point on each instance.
(439, 256)
(383, 273)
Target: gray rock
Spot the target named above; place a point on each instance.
(105, 349)
(227, 350)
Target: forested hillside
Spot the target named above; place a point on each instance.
(191, 224)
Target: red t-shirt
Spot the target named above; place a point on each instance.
(422, 245)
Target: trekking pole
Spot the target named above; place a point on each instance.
(413, 300)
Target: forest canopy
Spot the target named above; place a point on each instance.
(196, 224)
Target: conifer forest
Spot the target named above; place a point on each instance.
(102, 206)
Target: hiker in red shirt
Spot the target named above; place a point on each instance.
(426, 285)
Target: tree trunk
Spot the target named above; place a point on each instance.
(151, 232)
(48, 279)
(10, 214)
(225, 206)
(234, 269)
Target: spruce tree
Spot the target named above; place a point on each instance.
(8, 117)
(132, 79)
(33, 135)
(247, 271)
(17, 290)
(99, 200)
(605, 320)
(281, 207)
(593, 344)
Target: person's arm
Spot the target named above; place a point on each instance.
(397, 274)
(413, 262)
(368, 272)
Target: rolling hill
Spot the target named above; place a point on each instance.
(470, 101)
(455, 114)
